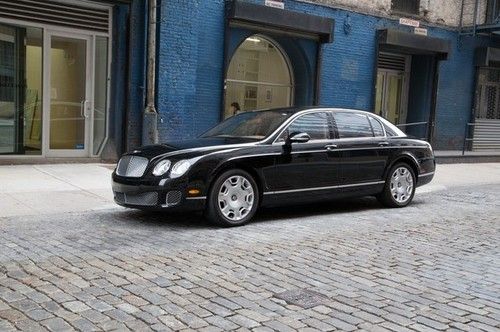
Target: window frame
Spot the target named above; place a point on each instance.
(380, 123)
(337, 133)
(330, 124)
(406, 12)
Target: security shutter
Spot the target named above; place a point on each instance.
(391, 61)
(56, 13)
(486, 129)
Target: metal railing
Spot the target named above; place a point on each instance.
(484, 17)
(403, 127)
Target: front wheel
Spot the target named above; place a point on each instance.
(399, 186)
(233, 198)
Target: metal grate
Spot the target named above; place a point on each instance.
(173, 198)
(132, 166)
(142, 199)
(304, 298)
(488, 94)
(56, 13)
(392, 61)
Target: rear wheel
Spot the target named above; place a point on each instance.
(399, 186)
(233, 198)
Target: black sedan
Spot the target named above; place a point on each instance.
(278, 156)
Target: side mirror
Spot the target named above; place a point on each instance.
(299, 138)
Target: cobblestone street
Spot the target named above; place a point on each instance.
(348, 265)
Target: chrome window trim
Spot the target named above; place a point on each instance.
(324, 188)
(277, 133)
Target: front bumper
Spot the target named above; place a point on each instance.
(157, 195)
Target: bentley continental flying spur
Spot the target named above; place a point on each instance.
(274, 157)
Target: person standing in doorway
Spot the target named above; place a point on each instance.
(234, 108)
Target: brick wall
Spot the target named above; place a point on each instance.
(190, 67)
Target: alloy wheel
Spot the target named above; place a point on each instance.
(401, 185)
(236, 197)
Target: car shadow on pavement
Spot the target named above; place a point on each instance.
(193, 220)
(318, 209)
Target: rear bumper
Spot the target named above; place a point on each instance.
(170, 195)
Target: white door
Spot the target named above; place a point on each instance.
(68, 59)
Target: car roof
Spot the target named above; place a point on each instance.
(297, 109)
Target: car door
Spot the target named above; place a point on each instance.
(304, 167)
(362, 147)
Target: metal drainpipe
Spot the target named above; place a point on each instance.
(150, 117)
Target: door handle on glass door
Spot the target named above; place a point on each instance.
(85, 115)
(81, 109)
(331, 147)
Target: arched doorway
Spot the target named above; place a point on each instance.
(259, 76)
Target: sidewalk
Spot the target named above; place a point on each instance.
(46, 189)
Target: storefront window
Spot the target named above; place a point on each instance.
(258, 77)
(20, 90)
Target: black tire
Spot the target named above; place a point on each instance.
(386, 197)
(213, 209)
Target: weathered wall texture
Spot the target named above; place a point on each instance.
(442, 12)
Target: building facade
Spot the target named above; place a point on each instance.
(74, 85)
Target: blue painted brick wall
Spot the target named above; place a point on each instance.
(190, 80)
(190, 68)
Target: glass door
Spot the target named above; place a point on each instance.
(68, 95)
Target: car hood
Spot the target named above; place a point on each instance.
(190, 146)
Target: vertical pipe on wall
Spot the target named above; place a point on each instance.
(150, 118)
(435, 86)
(317, 83)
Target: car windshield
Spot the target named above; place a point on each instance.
(253, 125)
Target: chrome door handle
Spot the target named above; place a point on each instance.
(331, 147)
(383, 144)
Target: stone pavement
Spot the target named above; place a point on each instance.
(349, 265)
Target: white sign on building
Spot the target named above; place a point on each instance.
(420, 31)
(275, 4)
(409, 22)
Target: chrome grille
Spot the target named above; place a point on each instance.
(132, 166)
(142, 199)
(173, 198)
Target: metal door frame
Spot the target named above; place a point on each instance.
(88, 94)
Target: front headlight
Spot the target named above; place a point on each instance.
(180, 168)
(161, 168)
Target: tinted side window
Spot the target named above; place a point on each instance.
(377, 127)
(314, 124)
(352, 125)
